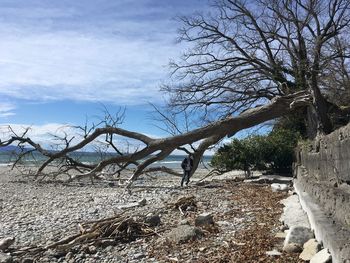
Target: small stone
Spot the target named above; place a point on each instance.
(279, 187)
(311, 247)
(223, 223)
(93, 211)
(184, 222)
(4, 258)
(273, 253)
(92, 250)
(204, 219)
(6, 242)
(191, 208)
(27, 260)
(292, 248)
(69, 255)
(107, 243)
(281, 235)
(283, 227)
(152, 220)
(142, 202)
(298, 235)
(139, 255)
(322, 256)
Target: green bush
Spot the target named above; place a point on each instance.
(272, 152)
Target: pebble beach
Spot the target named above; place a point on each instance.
(41, 213)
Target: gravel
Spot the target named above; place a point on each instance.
(41, 213)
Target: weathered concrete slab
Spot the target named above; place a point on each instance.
(333, 234)
(293, 214)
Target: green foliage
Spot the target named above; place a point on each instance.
(270, 152)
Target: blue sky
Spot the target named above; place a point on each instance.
(60, 60)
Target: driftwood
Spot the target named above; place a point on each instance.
(111, 231)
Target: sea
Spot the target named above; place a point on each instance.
(171, 161)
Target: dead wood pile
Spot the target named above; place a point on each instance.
(100, 233)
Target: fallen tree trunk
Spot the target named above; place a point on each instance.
(157, 149)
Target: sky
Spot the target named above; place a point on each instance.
(63, 61)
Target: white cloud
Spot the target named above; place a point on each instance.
(6, 110)
(65, 66)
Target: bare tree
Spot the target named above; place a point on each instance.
(151, 149)
(247, 52)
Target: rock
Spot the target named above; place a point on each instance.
(292, 248)
(69, 256)
(152, 220)
(184, 233)
(27, 260)
(107, 243)
(311, 247)
(204, 219)
(92, 250)
(273, 253)
(139, 255)
(279, 187)
(322, 256)
(223, 223)
(298, 235)
(142, 202)
(184, 222)
(6, 242)
(4, 258)
(281, 235)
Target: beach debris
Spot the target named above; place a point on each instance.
(184, 202)
(5, 243)
(100, 233)
(141, 202)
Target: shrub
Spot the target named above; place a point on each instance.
(270, 152)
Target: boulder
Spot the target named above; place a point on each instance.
(6, 242)
(292, 248)
(152, 220)
(298, 235)
(322, 256)
(204, 219)
(311, 247)
(184, 233)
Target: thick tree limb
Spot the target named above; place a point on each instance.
(157, 149)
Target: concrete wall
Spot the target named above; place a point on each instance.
(328, 158)
(322, 171)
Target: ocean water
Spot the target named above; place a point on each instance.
(172, 161)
